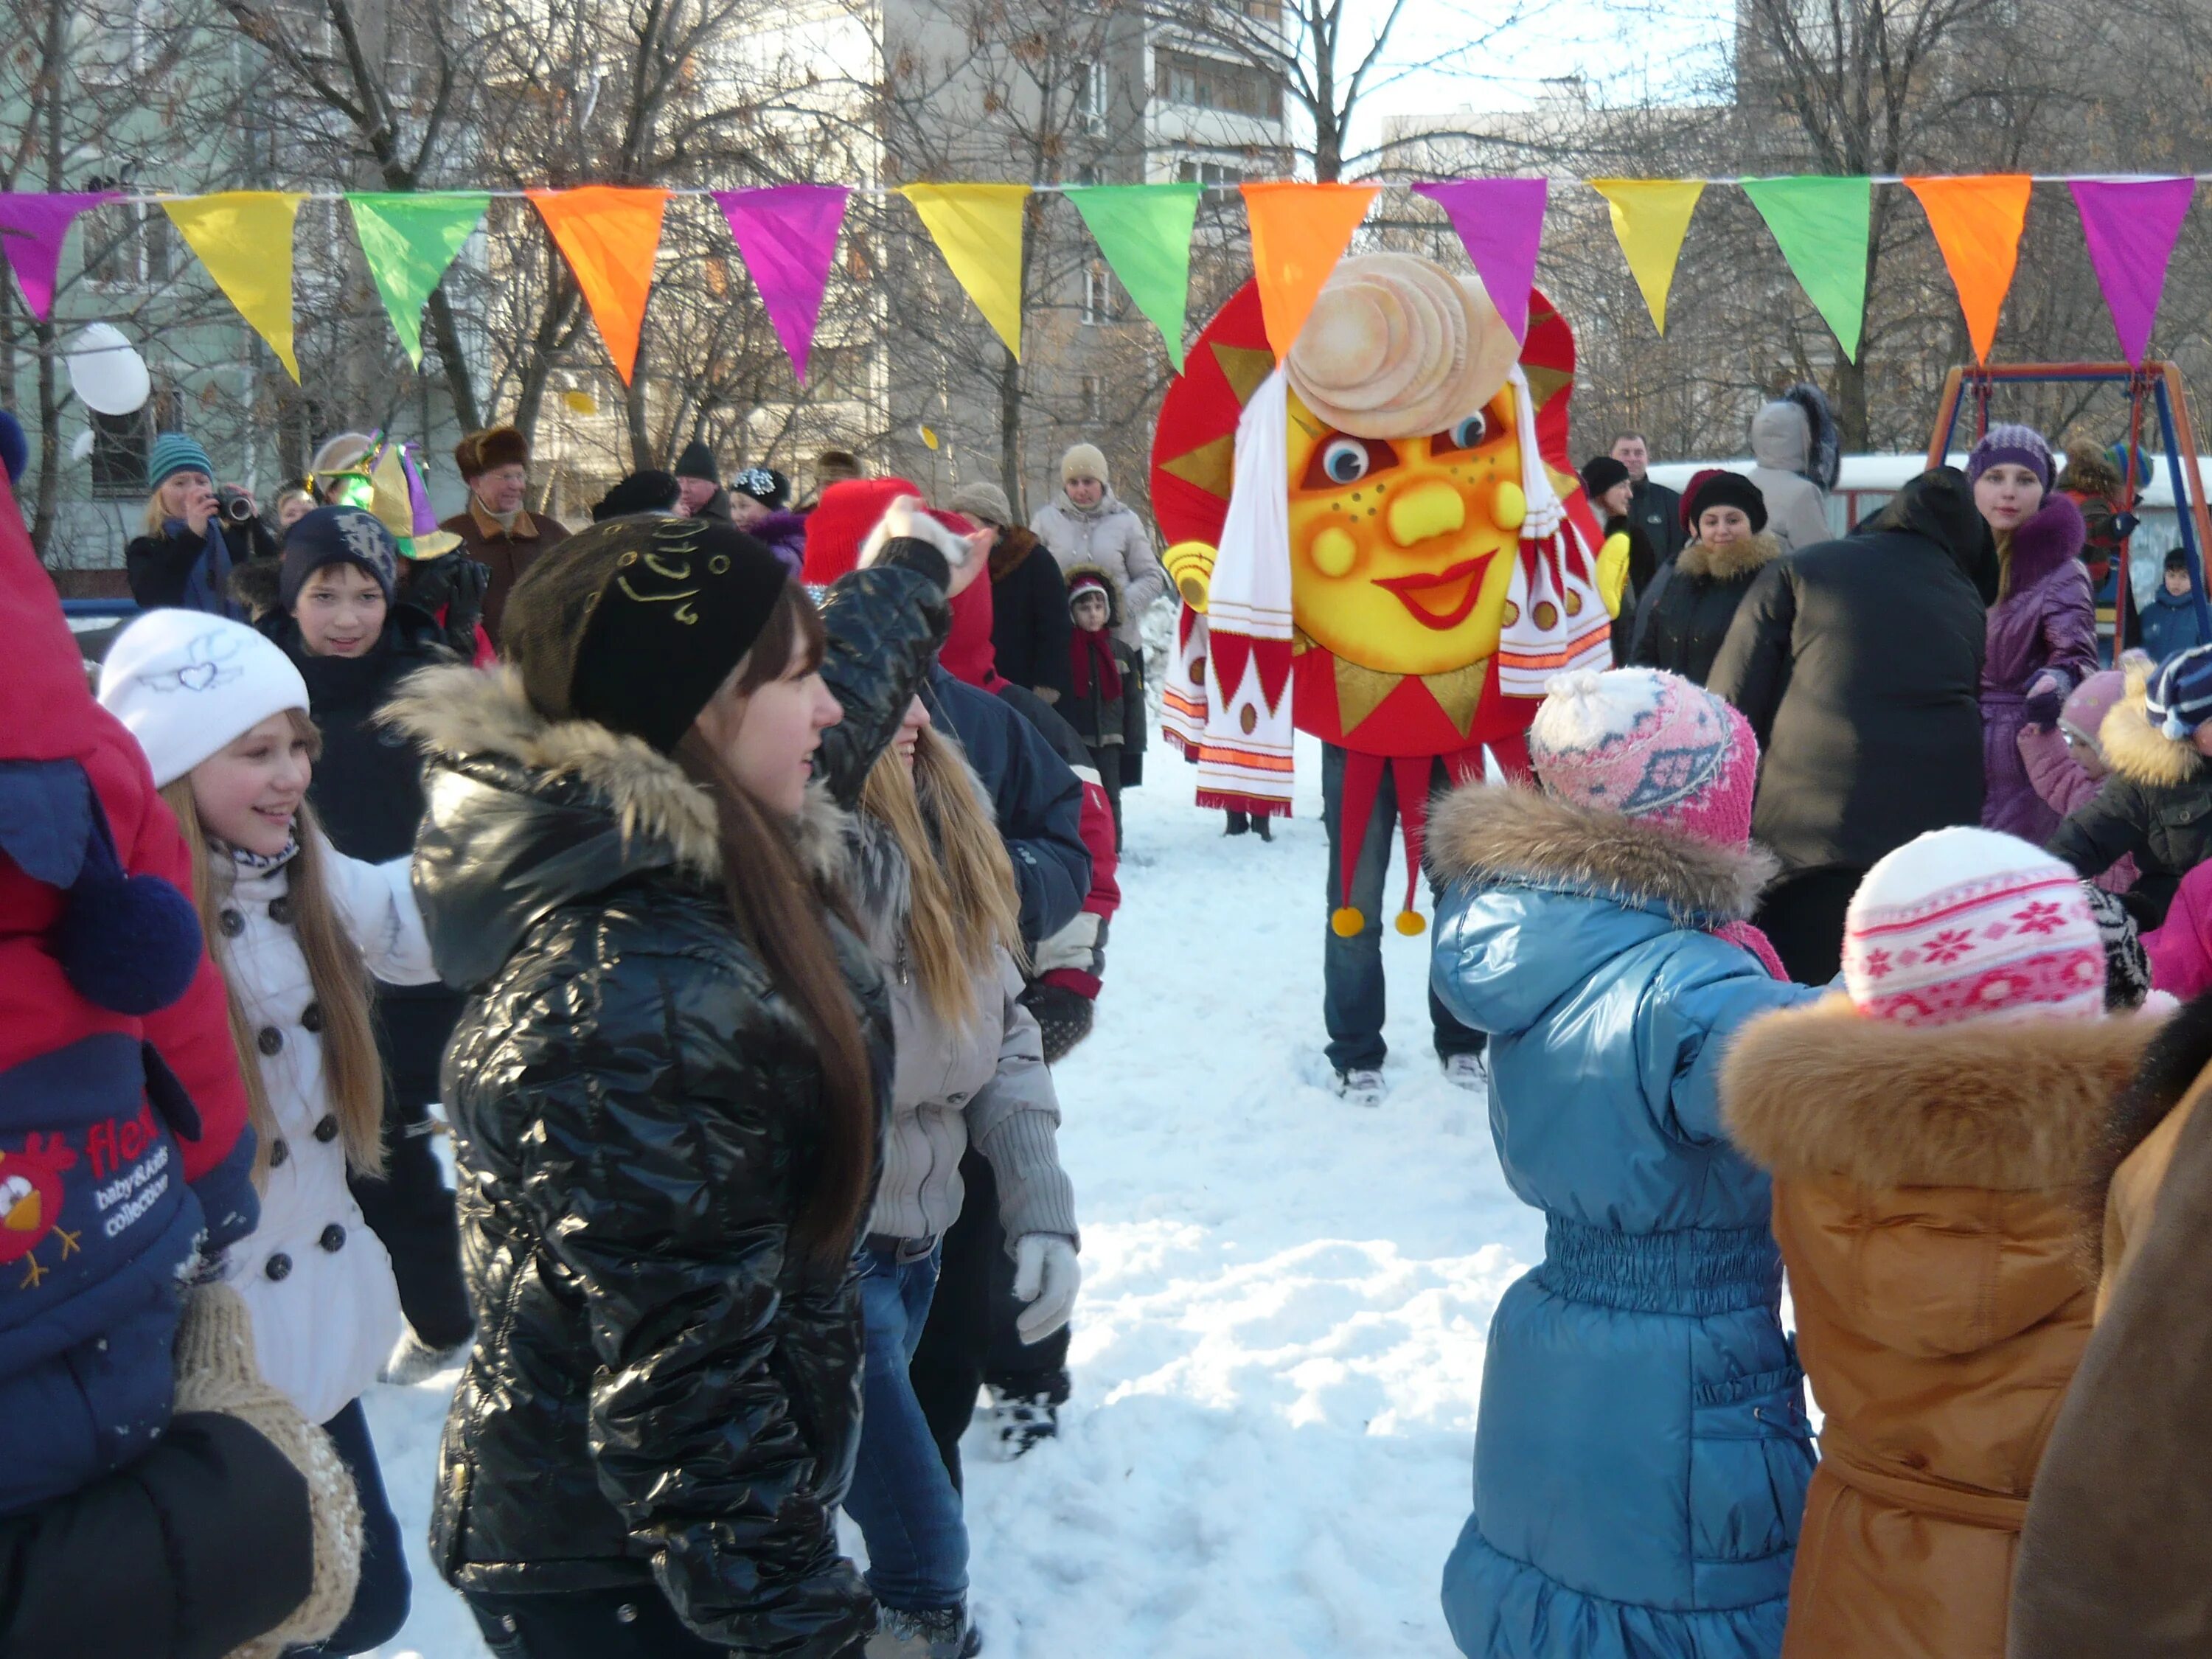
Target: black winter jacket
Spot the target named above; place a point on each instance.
(161, 569)
(2156, 804)
(659, 1391)
(1858, 663)
(1028, 614)
(1658, 511)
(203, 1544)
(1036, 796)
(1684, 614)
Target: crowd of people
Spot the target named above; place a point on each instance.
(729, 876)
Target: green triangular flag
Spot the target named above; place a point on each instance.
(409, 239)
(1821, 224)
(1144, 231)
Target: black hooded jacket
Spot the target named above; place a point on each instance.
(661, 1391)
(1858, 663)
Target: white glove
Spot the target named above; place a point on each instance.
(1046, 1275)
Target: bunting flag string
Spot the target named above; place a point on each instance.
(1822, 226)
(787, 235)
(1650, 217)
(1298, 233)
(2131, 226)
(1977, 222)
(1500, 224)
(32, 231)
(978, 229)
(244, 238)
(1144, 231)
(409, 239)
(609, 234)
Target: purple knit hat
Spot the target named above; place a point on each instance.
(1648, 745)
(2020, 446)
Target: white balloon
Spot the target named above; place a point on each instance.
(108, 376)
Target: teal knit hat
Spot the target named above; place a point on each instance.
(173, 453)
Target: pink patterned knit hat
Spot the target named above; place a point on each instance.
(1968, 924)
(1648, 745)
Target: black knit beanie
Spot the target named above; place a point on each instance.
(336, 535)
(640, 492)
(1601, 473)
(697, 461)
(635, 623)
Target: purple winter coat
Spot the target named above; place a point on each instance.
(784, 534)
(2046, 624)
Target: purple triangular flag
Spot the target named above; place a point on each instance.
(787, 236)
(32, 231)
(2131, 225)
(1501, 223)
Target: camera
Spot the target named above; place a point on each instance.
(233, 503)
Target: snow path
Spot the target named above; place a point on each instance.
(1279, 1345)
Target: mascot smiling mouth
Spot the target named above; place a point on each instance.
(1423, 590)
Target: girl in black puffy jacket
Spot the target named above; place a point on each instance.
(668, 1087)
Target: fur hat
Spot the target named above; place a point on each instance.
(173, 453)
(1969, 924)
(336, 535)
(635, 623)
(2009, 443)
(480, 452)
(983, 501)
(186, 684)
(1648, 745)
(1084, 461)
(649, 491)
(2178, 698)
(1717, 487)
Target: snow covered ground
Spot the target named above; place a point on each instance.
(1279, 1346)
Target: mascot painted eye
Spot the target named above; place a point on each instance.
(1462, 434)
(1344, 460)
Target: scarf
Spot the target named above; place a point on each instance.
(1751, 939)
(1085, 648)
(257, 864)
(207, 584)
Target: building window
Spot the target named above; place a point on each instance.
(1093, 93)
(1100, 303)
(1209, 83)
(1214, 175)
(119, 446)
(1094, 399)
(128, 246)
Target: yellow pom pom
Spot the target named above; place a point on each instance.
(1411, 925)
(1191, 566)
(1347, 923)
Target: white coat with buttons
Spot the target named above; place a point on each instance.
(326, 1308)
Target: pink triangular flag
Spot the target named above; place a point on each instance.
(788, 237)
(32, 231)
(1501, 223)
(2131, 225)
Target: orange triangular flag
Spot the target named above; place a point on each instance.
(1298, 233)
(609, 235)
(1978, 221)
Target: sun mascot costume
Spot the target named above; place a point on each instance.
(1380, 542)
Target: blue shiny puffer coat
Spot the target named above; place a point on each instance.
(1641, 1455)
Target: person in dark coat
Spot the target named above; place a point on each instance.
(699, 482)
(1105, 706)
(1684, 615)
(352, 645)
(495, 531)
(2156, 802)
(1656, 508)
(669, 1090)
(1858, 663)
(1028, 596)
(1609, 489)
(192, 541)
(2168, 623)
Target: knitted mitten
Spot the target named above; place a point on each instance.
(215, 1372)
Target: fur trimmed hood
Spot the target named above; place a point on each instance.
(1509, 833)
(1116, 610)
(1824, 1091)
(2046, 541)
(2135, 749)
(1733, 562)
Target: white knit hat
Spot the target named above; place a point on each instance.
(1969, 924)
(186, 684)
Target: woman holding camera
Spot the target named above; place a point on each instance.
(195, 533)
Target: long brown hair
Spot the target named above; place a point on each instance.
(783, 914)
(353, 1073)
(964, 903)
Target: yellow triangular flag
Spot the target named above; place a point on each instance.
(978, 229)
(244, 238)
(1650, 216)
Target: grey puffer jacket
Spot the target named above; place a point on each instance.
(1111, 535)
(986, 1082)
(1782, 443)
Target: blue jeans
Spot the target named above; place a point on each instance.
(902, 1498)
(1351, 968)
(379, 1602)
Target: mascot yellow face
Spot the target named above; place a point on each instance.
(1405, 468)
(1403, 548)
